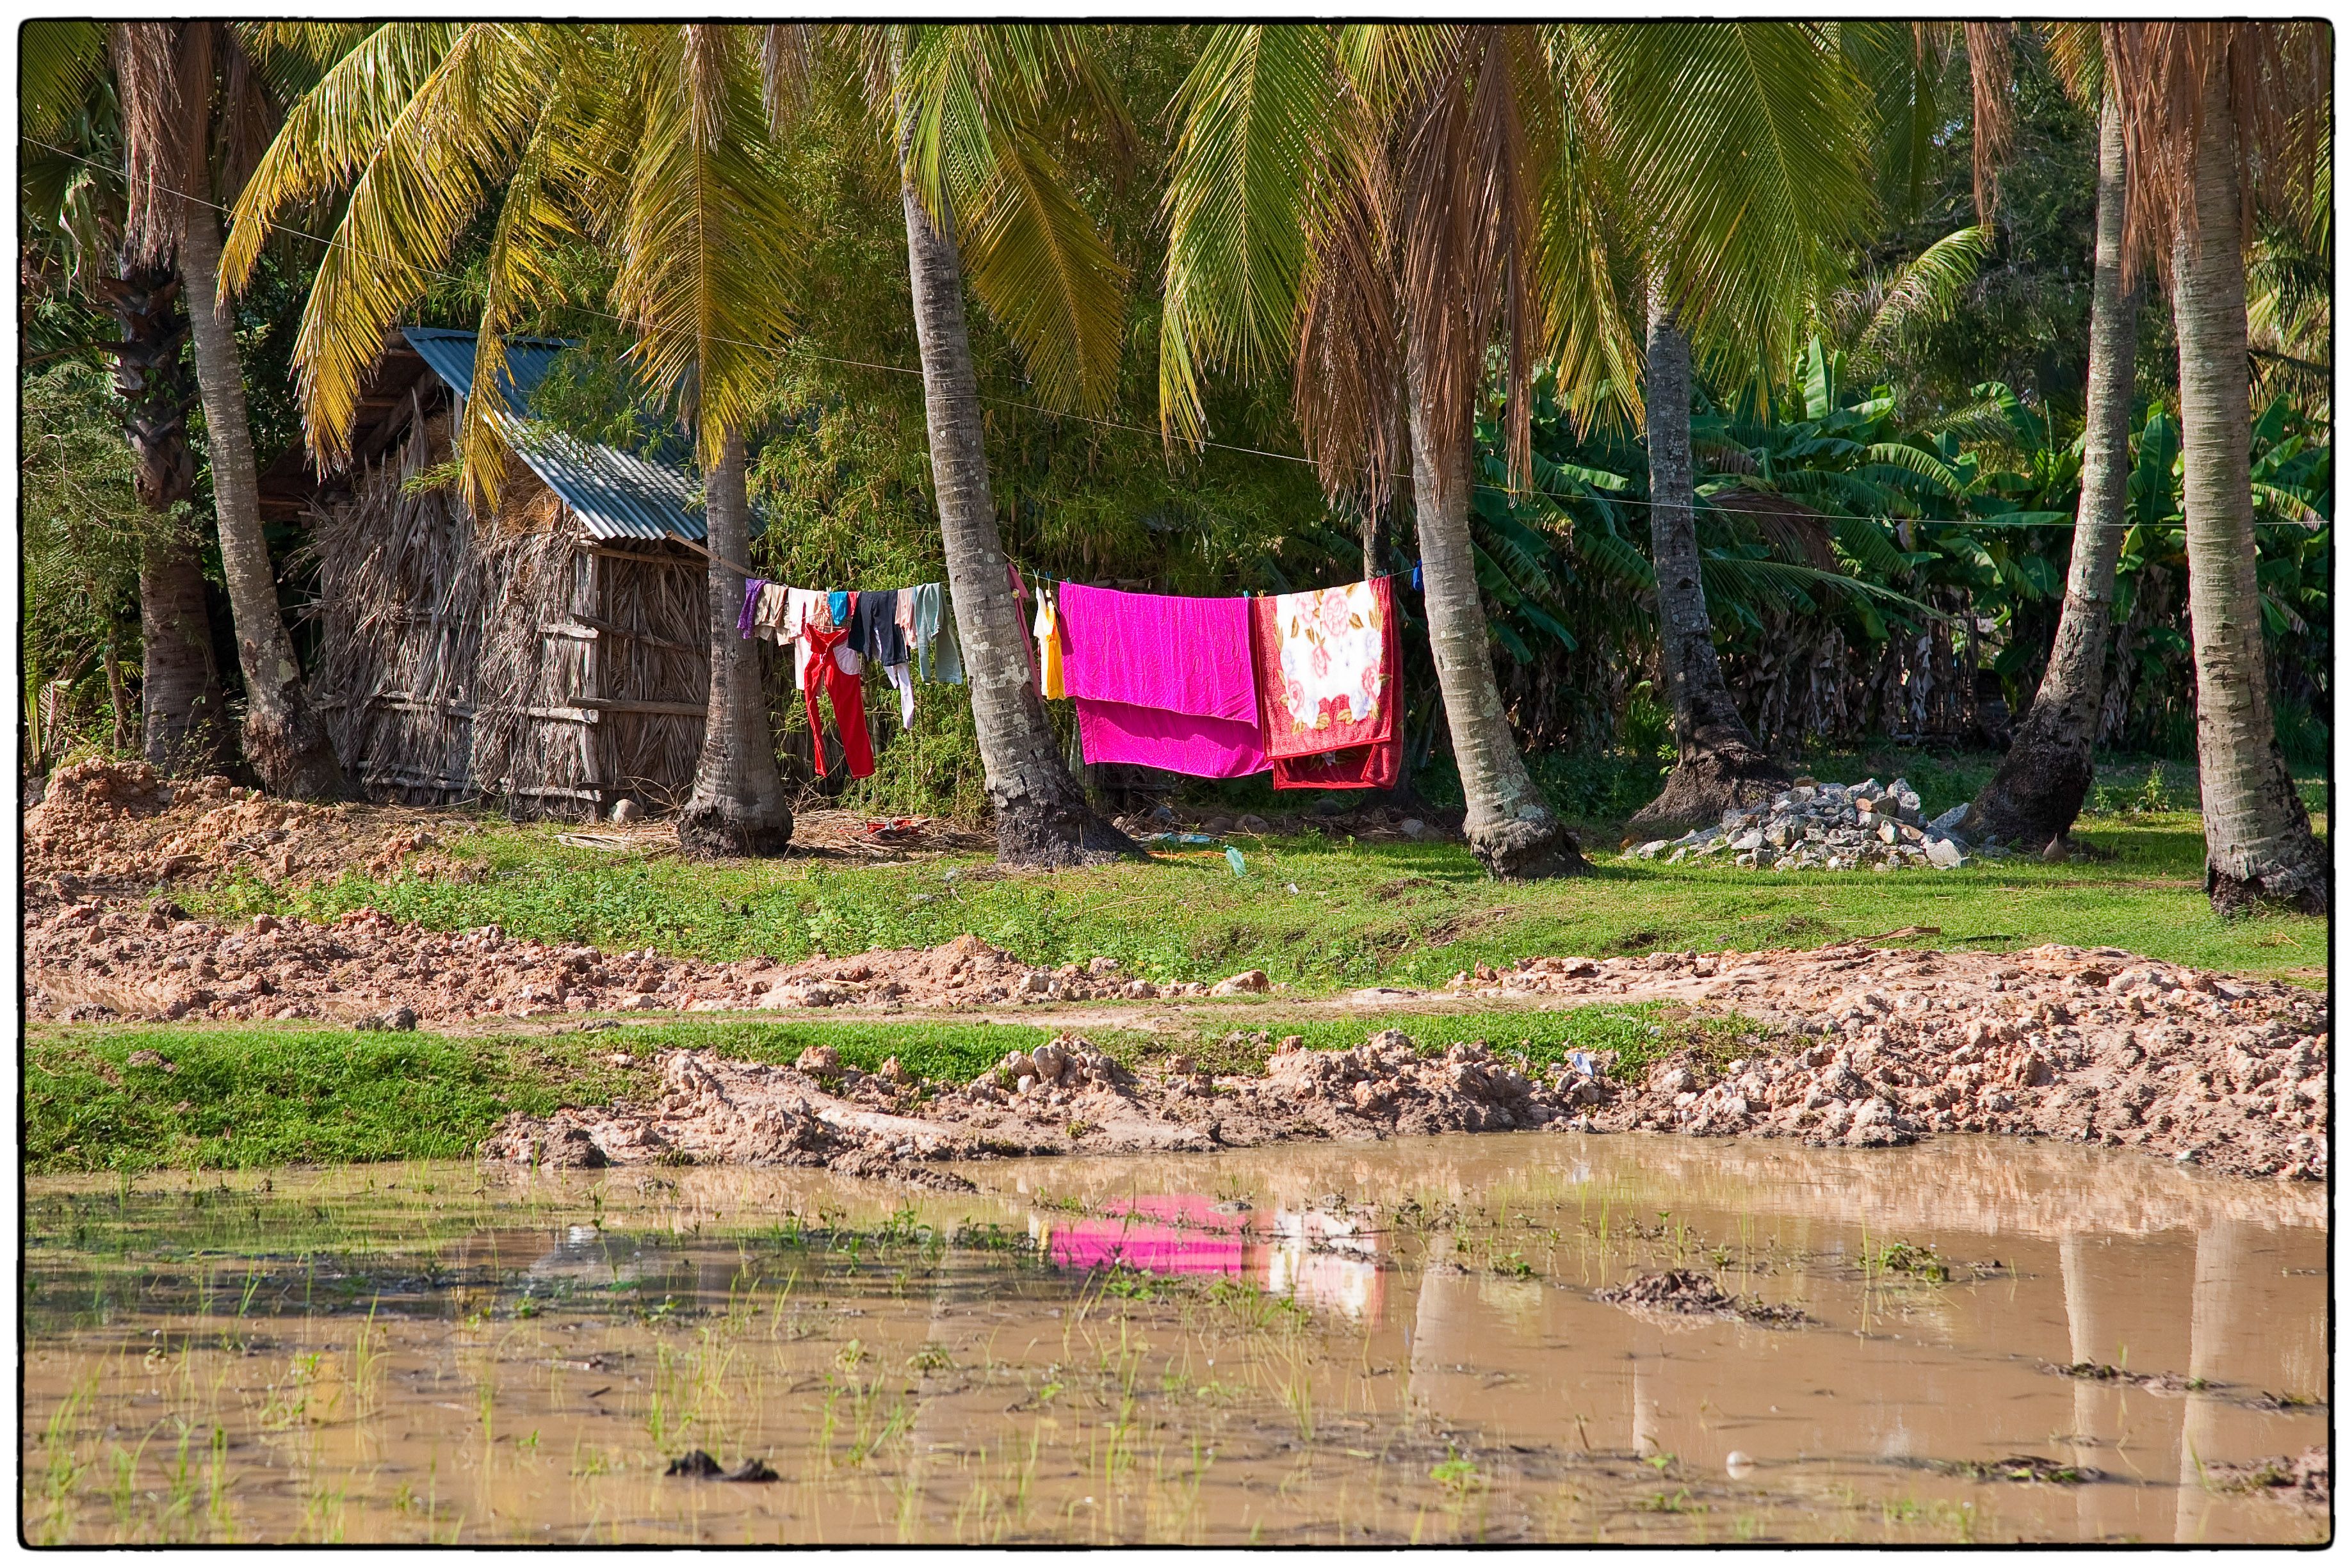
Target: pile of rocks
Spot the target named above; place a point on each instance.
(1825, 827)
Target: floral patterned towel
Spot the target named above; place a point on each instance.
(1324, 681)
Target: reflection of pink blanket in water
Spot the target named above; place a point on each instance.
(1201, 1242)
(1162, 681)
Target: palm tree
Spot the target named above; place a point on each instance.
(1740, 145)
(701, 195)
(648, 140)
(424, 114)
(2037, 793)
(1377, 206)
(72, 193)
(960, 105)
(2218, 116)
(190, 99)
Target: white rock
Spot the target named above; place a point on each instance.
(1944, 853)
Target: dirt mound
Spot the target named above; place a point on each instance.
(2305, 1478)
(966, 972)
(1691, 1291)
(816, 1113)
(110, 827)
(2090, 1046)
(1062, 1097)
(1378, 1090)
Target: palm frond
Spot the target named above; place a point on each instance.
(1047, 275)
(1740, 147)
(1917, 460)
(1865, 541)
(429, 175)
(1253, 112)
(706, 235)
(1923, 292)
(56, 64)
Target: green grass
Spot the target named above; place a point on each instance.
(1319, 913)
(240, 1097)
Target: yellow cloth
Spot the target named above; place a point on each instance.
(1049, 647)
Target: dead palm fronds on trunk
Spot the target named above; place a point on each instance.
(192, 106)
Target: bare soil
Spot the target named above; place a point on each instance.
(1870, 1047)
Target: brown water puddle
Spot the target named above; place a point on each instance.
(1395, 1342)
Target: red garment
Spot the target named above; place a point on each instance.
(824, 672)
(1373, 766)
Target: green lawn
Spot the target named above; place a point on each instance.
(1320, 913)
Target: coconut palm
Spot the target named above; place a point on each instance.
(962, 109)
(647, 140)
(2035, 795)
(1377, 206)
(2218, 118)
(192, 101)
(71, 200)
(1739, 144)
(427, 116)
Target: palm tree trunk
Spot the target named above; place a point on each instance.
(2258, 840)
(1717, 763)
(283, 738)
(183, 718)
(1510, 829)
(2039, 789)
(1042, 815)
(738, 806)
(184, 713)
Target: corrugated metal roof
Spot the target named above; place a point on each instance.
(613, 493)
(451, 355)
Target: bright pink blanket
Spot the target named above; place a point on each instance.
(1163, 681)
(1155, 649)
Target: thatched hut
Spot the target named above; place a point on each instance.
(555, 656)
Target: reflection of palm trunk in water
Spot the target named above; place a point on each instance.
(932, 1421)
(2223, 1261)
(1443, 1319)
(2084, 1342)
(1646, 1440)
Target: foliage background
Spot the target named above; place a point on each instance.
(1970, 519)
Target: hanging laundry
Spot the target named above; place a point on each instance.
(808, 610)
(933, 634)
(873, 627)
(1322, 668)
(1329, 669)
(807, 607)
(775, 598)
(1021, 613)
(838, 603)
(1050, 680)
(1161, 681)
(823, 672)
(903, 678)
(749, 621)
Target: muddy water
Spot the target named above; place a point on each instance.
(1326, 1345)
